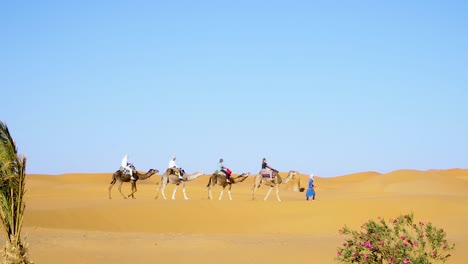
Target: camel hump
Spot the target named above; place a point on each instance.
(220, 173)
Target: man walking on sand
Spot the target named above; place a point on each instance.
(310, 188)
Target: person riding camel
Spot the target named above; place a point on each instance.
(267, 168)
(127, 167)
(225, 170)
(173, 165)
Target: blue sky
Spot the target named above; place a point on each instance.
(329, 87)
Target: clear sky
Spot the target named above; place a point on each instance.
(329, 87)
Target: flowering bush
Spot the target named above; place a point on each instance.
(398, 241)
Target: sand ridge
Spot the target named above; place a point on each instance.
(70, 216)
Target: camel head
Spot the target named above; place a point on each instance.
(145, 176)
(245, 174)
(193, 176)
(290, 176)
(241, 177)
(294, 173)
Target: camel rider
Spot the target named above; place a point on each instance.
(126, 166)
(173, 165)
(266, 167)
(222, 168)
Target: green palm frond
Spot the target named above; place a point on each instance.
(12, 190)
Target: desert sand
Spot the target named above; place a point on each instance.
(70, 219)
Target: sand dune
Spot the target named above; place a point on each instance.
(69, 217)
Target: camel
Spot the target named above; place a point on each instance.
(220, 179)
(169, 177)
(124, 177)
(275, 183)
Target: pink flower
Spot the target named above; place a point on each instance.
(390, 260)
(405, 244)
(434, 253)
(403, 237)
(338, 253)
(380, 242)
(369, 244)
(415, 244)
(421, 223)
(345, 244)
(406, 261)
(367, 256)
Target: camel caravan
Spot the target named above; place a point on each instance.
(177, 176)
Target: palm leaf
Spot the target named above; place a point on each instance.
(12, 190)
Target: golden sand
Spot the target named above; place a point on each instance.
(70, 219)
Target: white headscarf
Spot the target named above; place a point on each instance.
(125, 160)
(311, 176)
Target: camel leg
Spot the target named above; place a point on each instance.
(162, 191)
(229, 192)
(277, 193)
(221, 194)
(120, 190)
(110, 188)
(253, 191)
(256, 186)
(134, 190)
(268, 194)
(183, 191)
(209, 193)
(157, 190)
(174, 192)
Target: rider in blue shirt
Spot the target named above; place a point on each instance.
(222, 168)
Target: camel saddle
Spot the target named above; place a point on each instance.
(175, 171)
(221, 173)
(266, 173)
(125, 170)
